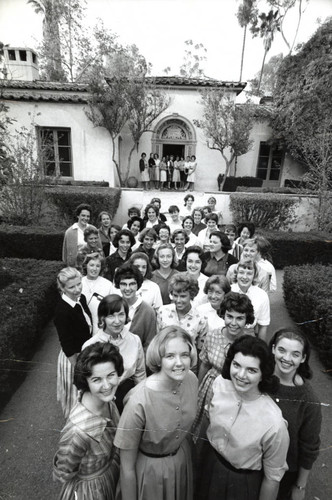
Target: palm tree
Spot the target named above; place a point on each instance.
(246, 14)
(51, 10)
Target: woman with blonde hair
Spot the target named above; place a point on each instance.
(154, 427)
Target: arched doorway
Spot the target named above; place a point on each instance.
(174, 135)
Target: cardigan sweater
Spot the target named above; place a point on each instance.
(301, 408)
(144, 324)
(71, 325)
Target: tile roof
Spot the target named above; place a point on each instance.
(197, 82)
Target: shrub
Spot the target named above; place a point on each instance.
(268, 211)
(298, 248)
(27, 303)
(309, 302)
(231, 183)
(30, 242)
(67, 198)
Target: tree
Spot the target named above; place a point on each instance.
(226, 126)
(283, 7)
(194, 57)
(246, 15)
(269, 77)
(303, 108)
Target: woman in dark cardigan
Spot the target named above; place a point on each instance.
(73, 323)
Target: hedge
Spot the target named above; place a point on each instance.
(268, 211)
(27, 304)
(67, 198)
(30, 242)
(307, 293)
(299, 248)
(231, 183)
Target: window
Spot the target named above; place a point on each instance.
(11, 55)
(269, 162)
(34, 58)
(23, 55)
(55, 148)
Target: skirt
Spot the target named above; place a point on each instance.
(145, 175)
(176, 175)
(163, 176)
(66, 391)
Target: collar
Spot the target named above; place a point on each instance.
(69, 301)
(137, 303)
(190, 313)
(91, 424)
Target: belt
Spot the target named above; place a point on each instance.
(232, 468)
(153, 455)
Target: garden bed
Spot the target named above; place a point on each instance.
(28, 299)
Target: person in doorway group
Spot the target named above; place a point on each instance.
(163, 173)
(198, 216)
(104, 230)
(92, 246)
(153, 430)
(245, 456)
(191, 173)
(170, 169)
(300, 408)
(157, 171)
(164, 263)
(245, 275)
(87, 462)
(183, 175)
(218, 260)
(73, 323)
(123, 242)
(113, 315)
(176, 174)
(128, 279)
(74, 236)
(152, 171)
(144, 169)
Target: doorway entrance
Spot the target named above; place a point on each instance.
(173, 149)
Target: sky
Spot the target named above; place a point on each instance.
(160, 27)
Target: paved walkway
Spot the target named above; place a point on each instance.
(31, 422)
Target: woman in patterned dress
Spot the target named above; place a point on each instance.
(87, 462)
(237, 311)
(154, 427)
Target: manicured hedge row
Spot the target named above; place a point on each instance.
(307, 292)
(290, 249)
(30, 242)
(27, 303)
(232, 183)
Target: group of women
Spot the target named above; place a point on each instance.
(170, 172)
(168, 385)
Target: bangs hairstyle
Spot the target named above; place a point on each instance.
(240, 303)
(90, 230)
(109, 305)
(172, 209)
(88, 258)
(211, 216)
(188, 217)
(164, 246)
(135, 210)
(131, 221)
(157, 348)
(187, 197)
(147, 232)
(246, 264)
(128, 272)
(252, 346)
(66, 274)
(304, 369)
(177, 232)
(92, 355)
(183, 282)
(249, 225)
(143, 256)
(224, 240)
(124, 232)
(217, 279)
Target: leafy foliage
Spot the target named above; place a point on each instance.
(307, 292)
(232, 183)
(23, 242)
(194, 57)
(267, 211)
(226, 125)
(246, 14)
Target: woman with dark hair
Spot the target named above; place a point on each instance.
(236, 311)
(236, 249)
(151, 215)
(104, 231)
(179, 239)
(144, 170)
(124, 240)
(113, 315)
(92, 246)
(135, 225)
(142, 318)
(300, 407)
(245, 230)
(176, 173)
(154, 427)
(149, 291)
(188, 206)
(198, 216)
(164, 263)
(192, 262)
(148, 238)
(215, 289)
(94, 286)
(192, 173)
(74, 236)
(115, 229)
(188, 224)
(73, 322)
(87, 462)
(163, 233)
(204, 235)
(182, 289)
(218, 260)
(245, 457)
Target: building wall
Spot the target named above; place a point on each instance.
(91, 146)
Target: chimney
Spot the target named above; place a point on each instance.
(19, 63)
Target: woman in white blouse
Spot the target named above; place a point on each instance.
(149, 291)
(245, 457)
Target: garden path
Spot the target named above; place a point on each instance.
(31, 422)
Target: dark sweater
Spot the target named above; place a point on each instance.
(300, 407)
(112, 262)
(71, 325)
(144, 324)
